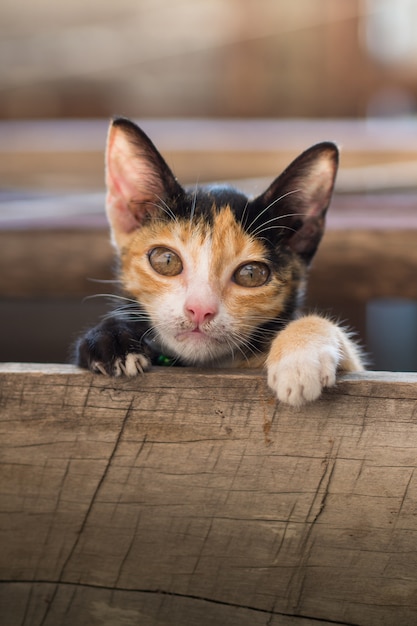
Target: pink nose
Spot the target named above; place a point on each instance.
(200, 313)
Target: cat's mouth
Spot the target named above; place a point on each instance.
(196, 334)
(197, 346)
(202, 339)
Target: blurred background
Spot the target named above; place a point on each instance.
(227, 89)
(208, 58)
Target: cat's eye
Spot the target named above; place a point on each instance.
(253, 274)
(165, 261)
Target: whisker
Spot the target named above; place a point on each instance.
(111, 296)
(105, 281)
(263, 227)
(165, 208)
(245, 214)
(194, 204)
(278, 218)
(244, 345)
(127, 317)
(271, 204)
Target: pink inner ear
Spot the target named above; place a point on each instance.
(317, 187)
(126, 174)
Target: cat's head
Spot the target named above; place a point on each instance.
(216, 273)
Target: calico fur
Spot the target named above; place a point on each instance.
(213, 278)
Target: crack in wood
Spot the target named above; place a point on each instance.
(271, 612)
(297, 580)
(88, 512)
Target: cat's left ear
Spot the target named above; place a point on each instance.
(138, 179)
(298, 199)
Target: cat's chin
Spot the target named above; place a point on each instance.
(195, 347)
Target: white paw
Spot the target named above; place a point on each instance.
(133, 364)
(300, 376)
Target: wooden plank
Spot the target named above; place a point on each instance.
(193, 497)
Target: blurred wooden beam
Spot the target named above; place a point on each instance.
(69, 154)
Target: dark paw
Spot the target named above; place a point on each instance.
(130, 365)
(112, 349)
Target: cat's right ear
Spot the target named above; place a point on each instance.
(138, 180)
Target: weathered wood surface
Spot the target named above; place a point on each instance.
(193, 498)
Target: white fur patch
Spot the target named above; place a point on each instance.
(300, 377)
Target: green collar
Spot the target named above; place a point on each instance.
(164, 361)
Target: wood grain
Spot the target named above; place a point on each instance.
(193, 497)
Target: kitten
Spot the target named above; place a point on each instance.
(213, 278)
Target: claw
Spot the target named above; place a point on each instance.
(98, 368)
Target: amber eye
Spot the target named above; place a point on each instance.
(165, 261)
(253, 274)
